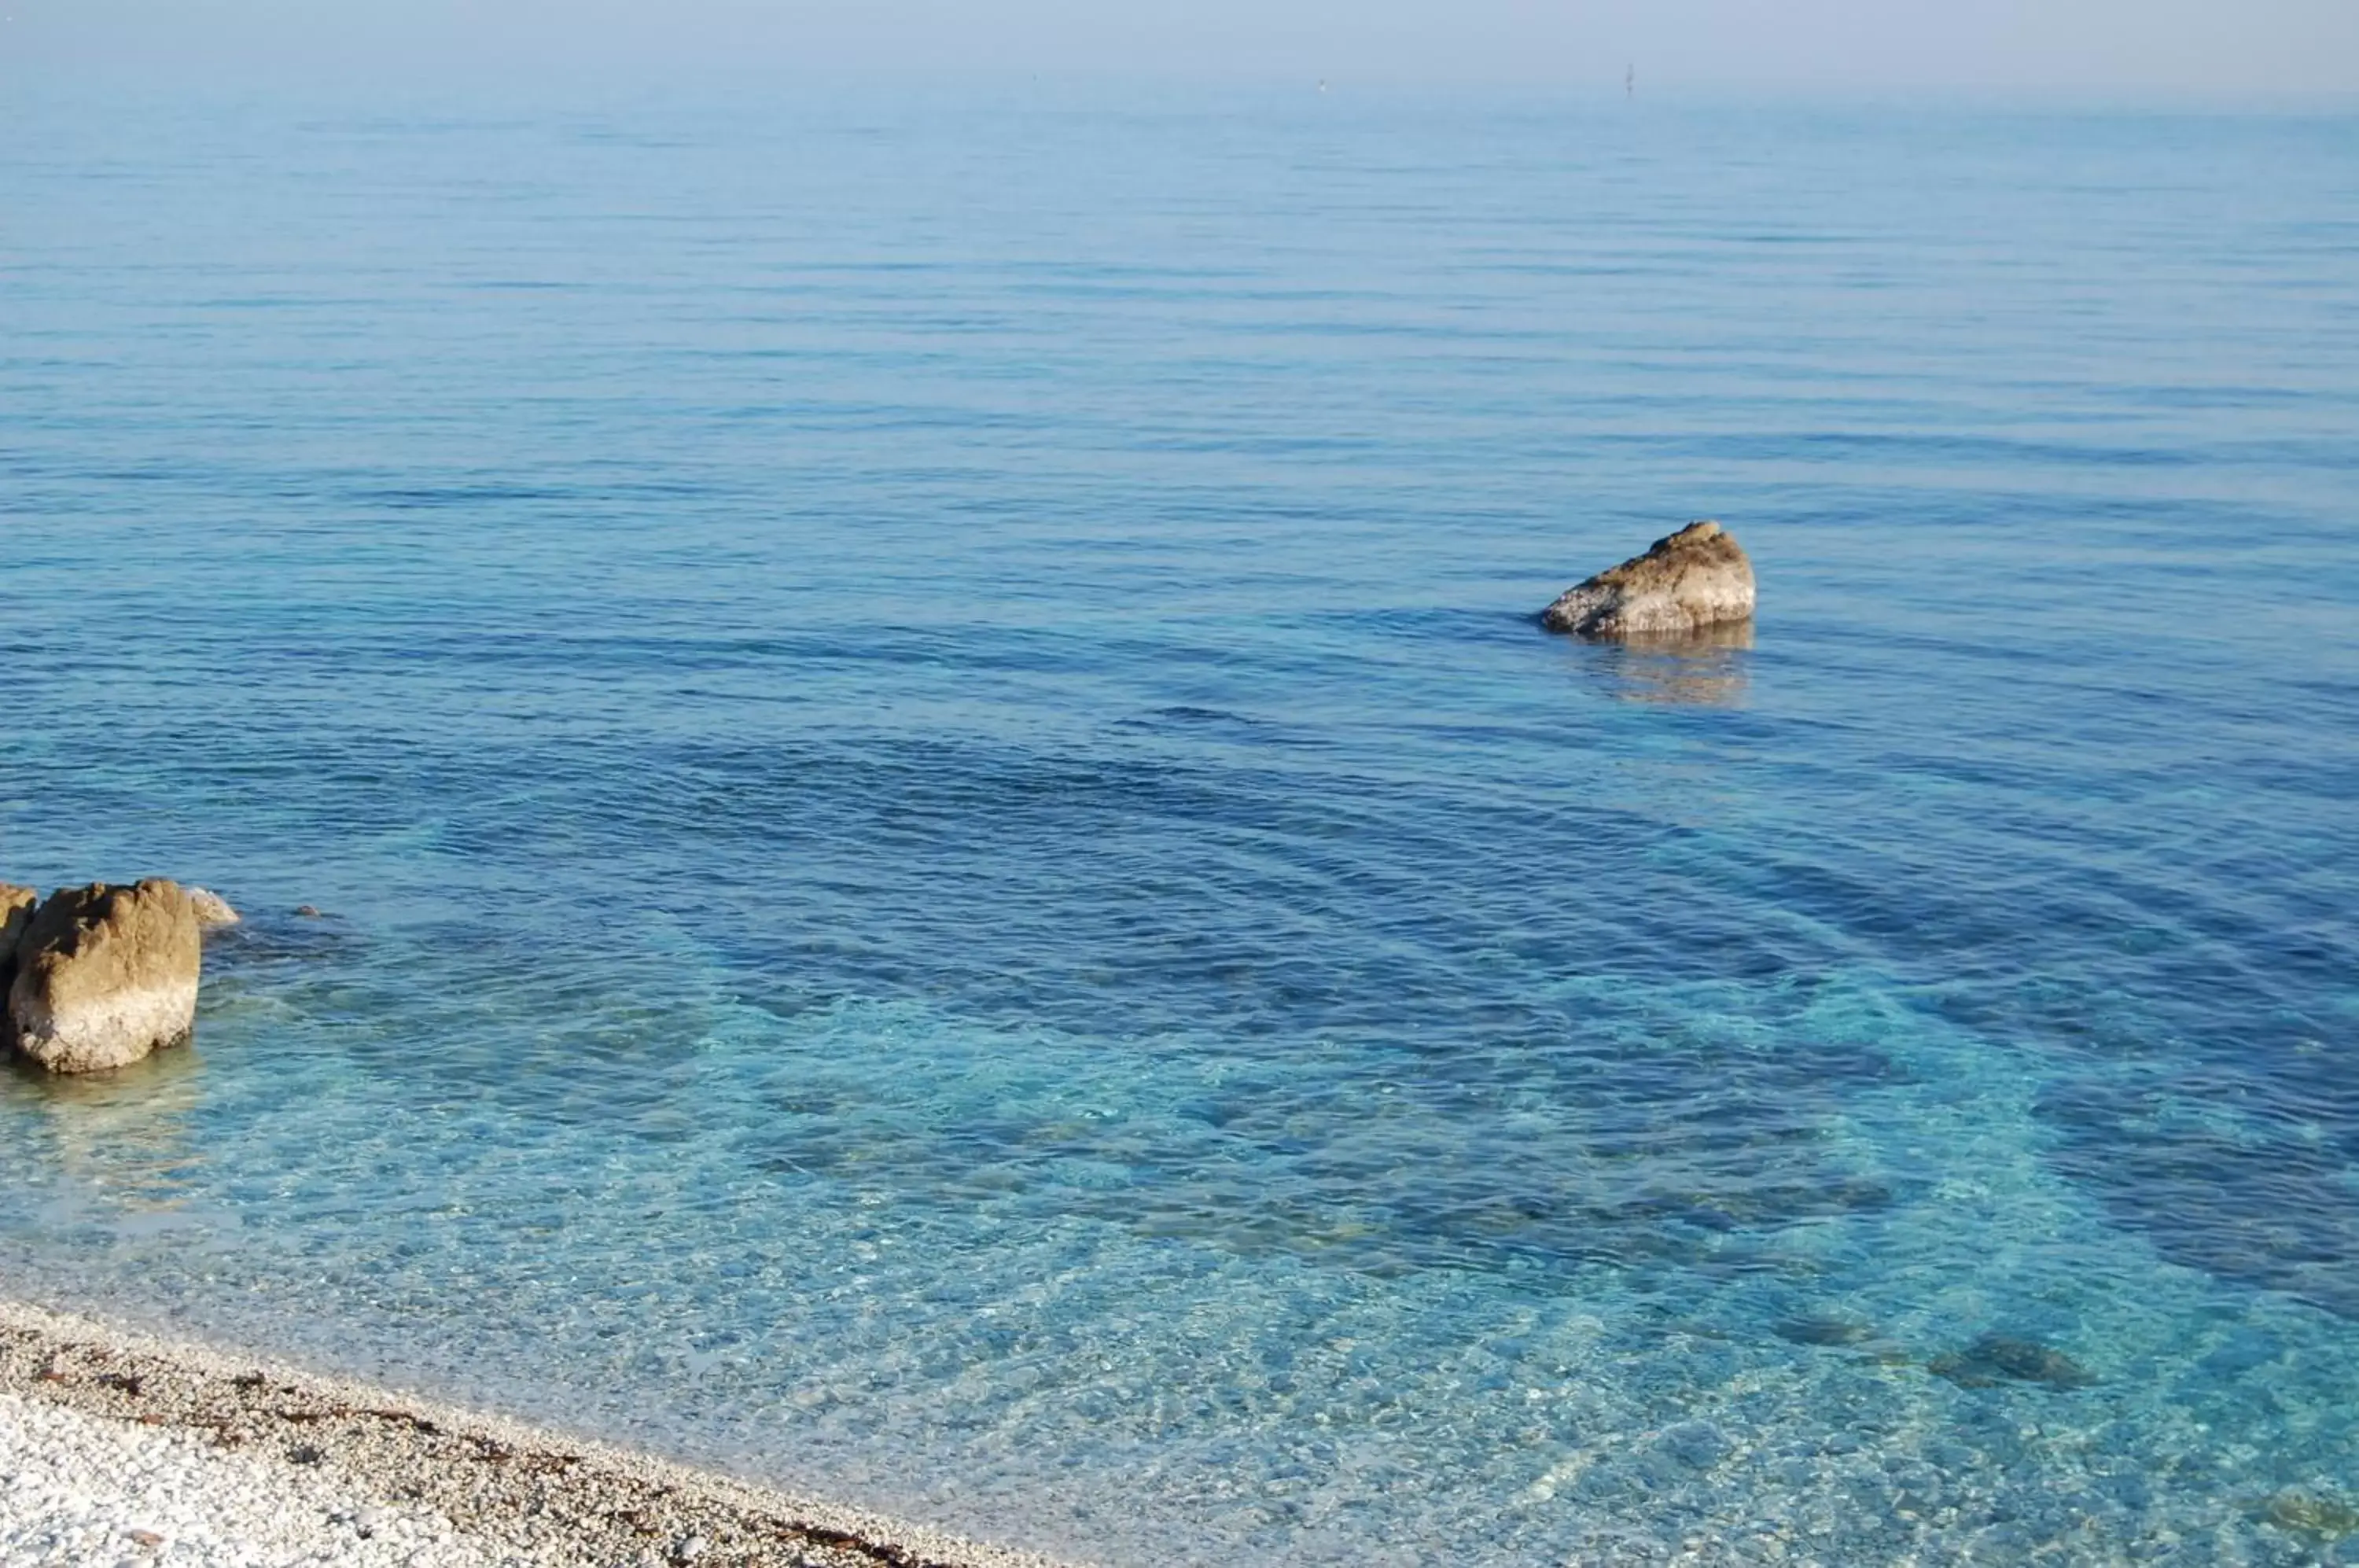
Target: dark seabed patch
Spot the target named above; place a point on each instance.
(1997, 1358)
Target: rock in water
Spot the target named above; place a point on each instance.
(1821, 1330)
(2308, 1513)
(2000, 1357)
(212, 909)
(105, 974)
(1697, 578)
(16, 906)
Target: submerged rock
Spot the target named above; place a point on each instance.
(105, 974)
(2001, 1358)
(211, 910)
(2310, 1514)
(1695, 579)
(1824, 1330)
(1696, 1445)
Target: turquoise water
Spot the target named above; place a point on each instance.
(953, 873)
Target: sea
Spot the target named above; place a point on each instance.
(945, 867)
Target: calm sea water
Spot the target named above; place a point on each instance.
(955, 874)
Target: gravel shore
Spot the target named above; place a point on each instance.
(117, 1447)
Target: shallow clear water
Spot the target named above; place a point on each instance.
(955, 874)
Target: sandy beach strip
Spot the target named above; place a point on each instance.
(120, 1447)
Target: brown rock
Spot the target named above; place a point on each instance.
(1697, 578)
(105, 974)
(212, 909)
(16, 906)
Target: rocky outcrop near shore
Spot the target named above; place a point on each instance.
(16, 907)
(1696, 579)
(104, 974)
(212, 909)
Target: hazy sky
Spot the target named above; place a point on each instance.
(2233, 46)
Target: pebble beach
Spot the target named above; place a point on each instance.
(117, 1447)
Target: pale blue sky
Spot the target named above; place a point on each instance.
(2235, 46)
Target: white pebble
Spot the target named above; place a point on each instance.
(78, 1486)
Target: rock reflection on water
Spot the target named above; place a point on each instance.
(125, 1136)
(1705, 668)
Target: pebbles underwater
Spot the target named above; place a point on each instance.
(1825, 1384)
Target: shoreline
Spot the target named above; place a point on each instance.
(513, 1492)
